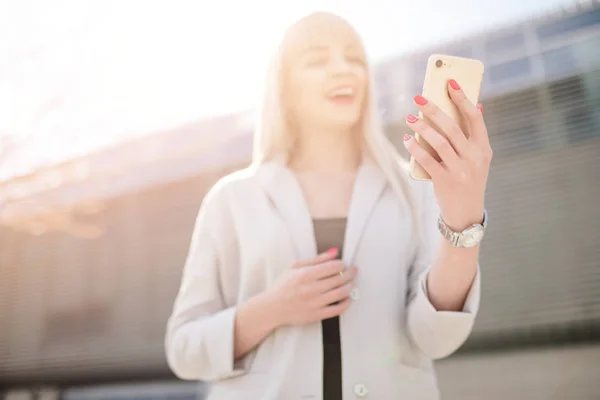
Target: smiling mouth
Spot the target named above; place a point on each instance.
(342, 95)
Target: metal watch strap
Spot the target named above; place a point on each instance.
(455, 237)
(450, 235)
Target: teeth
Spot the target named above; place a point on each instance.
(346, 91)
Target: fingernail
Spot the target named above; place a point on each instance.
(420, 100)
(332, 250)
(411, 118)
(407, 137)
(454, 84)
(480, 106)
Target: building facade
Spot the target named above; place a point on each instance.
(87, 315)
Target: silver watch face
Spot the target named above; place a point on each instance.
(472, 236)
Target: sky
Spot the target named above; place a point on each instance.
(79, 75)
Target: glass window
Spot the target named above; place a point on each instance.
(573, 23)
(385, 92)
(573, 58)
(559, 62)
(587, 52)
(182, 396)
(510, 70)
(418, 67)
(458, 51)
(496, 48)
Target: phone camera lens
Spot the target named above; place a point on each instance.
(439, 63)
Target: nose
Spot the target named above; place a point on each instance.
(340, 64)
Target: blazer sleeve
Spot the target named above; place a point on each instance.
(200, 331)
(437, 334)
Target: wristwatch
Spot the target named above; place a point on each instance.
(470, 237)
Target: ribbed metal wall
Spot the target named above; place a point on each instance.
(87, 308)
(542, 260)
(541, 256)
(539, 374)
(84, 306)
(77, 309)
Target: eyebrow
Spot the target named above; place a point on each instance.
(353, 47)
(315, 49)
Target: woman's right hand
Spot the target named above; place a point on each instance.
(313, 290)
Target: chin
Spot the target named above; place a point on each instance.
(342, 121)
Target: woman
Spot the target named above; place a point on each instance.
(319, 272)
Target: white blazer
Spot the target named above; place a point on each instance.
(254, 224)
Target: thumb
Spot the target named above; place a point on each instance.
(321, 258)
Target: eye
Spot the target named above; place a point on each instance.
(356, 59)
(316, 60)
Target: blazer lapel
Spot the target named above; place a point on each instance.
(287, 198)
(368, 187)
(285, 193)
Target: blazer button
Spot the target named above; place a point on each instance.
(354, 294)
(360, 390)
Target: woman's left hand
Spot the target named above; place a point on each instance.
(460, 178)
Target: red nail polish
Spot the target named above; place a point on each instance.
(407, 137)
(332, 250)
(480, 106)
(411, 118)
(420, 100)
(454, 84)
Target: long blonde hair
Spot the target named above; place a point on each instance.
(273, 141)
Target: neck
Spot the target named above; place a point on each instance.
(326, 151)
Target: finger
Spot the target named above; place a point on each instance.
(473, 116)
(325, 270)
(335, 309)
(426, 160)
(335, 295)
(444, 123)
(335, 281)
(439, 143)
(319, 259)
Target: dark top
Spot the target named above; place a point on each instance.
(330, 233)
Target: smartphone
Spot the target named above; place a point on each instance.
(440, 69)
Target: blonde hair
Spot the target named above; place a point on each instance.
(274, 142)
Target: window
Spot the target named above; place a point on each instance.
(136, 391)
(587, 53)
(182, 396)
(496, 48)
(573, 23)
(510, 71)
(583, 55)
(559, 62)
(385, 98)
(418, 66)
(458, 51)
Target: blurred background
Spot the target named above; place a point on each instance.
(116, 118)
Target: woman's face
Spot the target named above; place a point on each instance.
(325, 82)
